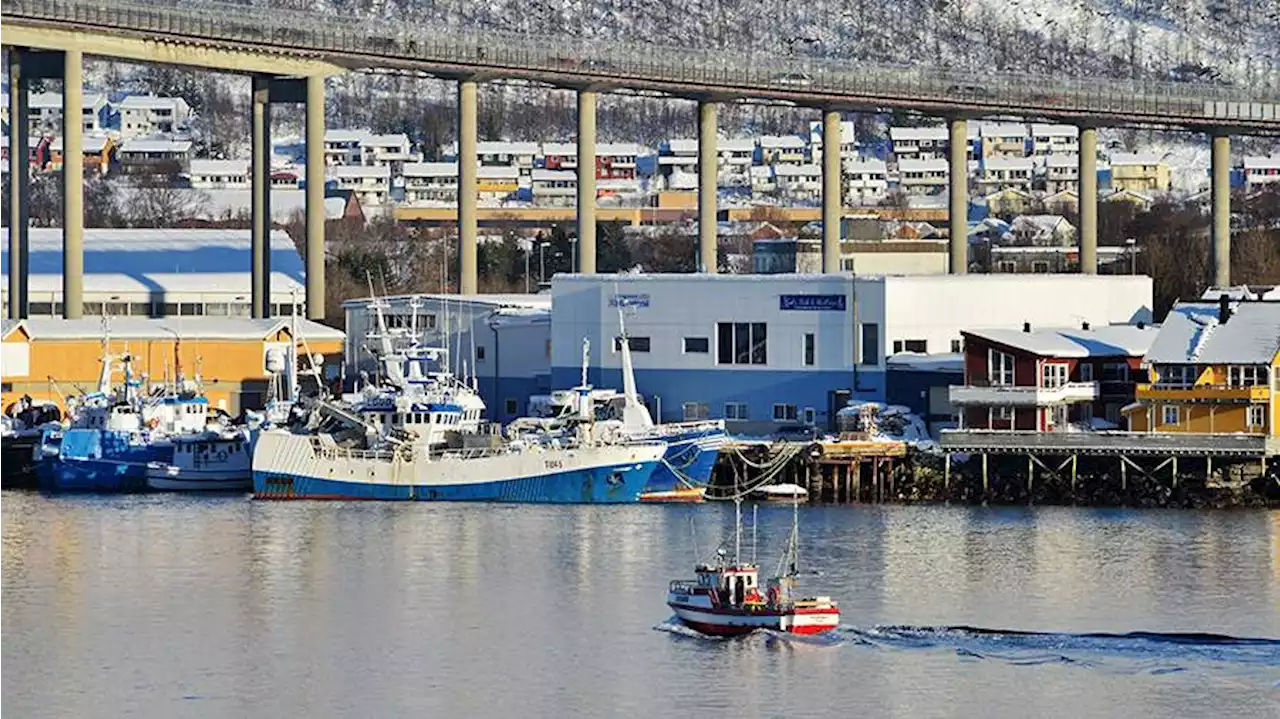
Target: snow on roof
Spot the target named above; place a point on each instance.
(683, 146)
(219, 167)
(376, 172)
(797, 171)
(921, 362)
(166, 328)
(430, 169)
(1270, 162)
(865, 164)
(152, 144)
(142, 254)
(916, 134)
(1135, 158)
(932, 165)
(1044, 130)
(1061, 160)
(738, 144)
(1192, 334)
(560, 149)
(150, 102)
(340, 135)
(91, 143)
(1105, 341)
(1002, 129)
(531, 301)
(490, 147)
(1044, 222)
(541, 175)
(1235, 293)
(394, 140)
(53, 100)
(498, 172)
(1008, 163)
(618, 149)
(789, 142)
(286, 202)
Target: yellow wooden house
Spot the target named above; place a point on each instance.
(1213, 368)
(50, 359)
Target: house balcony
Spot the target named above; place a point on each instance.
(1024, 396)
(1205, 393)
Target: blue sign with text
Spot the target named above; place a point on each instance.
(629, 301)
(831, 303)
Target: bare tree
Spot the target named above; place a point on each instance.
(155, 204)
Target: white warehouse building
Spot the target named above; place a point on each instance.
(774, 350)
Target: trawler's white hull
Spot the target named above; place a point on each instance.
(288, 466)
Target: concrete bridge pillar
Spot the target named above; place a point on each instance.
(1220, 161)
(832, 191)
(18, 173)
(958, 204)
(72, 184)
(467, 177)
(315, 197)
(708, 180)
(260, 170)
(1088, 184)
(586, 181)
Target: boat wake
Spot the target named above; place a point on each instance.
(1151, 653)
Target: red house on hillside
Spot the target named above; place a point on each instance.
(1047, 379)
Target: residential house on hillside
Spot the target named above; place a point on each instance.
(518, 155)
(372, 185)
(343, 147)
(386, 151)
(1140, 172)
(46, 153)
(848, 140)
(497, 183)
(800, 183)
(1043, 231)
(1259, 172)
(142, 115)
(678, 163)
(615, 160)
(866, 181)
(919, 143)
(1215, 369)
(560, 155)
(1001, 172)
(783, 150)
(44, 112)
(1003, 140)
(1061, 173)
(429, 183)
(1055, 139)
(155, 156)
(1062, 202)
(219, 174)
(1009, 201)
(923, 177)
(555, 187)
(1048, 379)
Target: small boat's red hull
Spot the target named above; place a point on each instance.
(731, 623)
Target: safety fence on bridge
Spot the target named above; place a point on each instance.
(371, 42)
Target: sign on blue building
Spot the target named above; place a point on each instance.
(629, 301)
(821, 303)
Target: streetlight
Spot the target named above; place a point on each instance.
(573, 258)
(542, 261)
(1132, 244)
(527, 246)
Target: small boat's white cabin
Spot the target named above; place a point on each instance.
(120, 417)
(735, 582)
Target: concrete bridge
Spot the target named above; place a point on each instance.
(289, 53)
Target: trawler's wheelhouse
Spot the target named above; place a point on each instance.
(418, 418)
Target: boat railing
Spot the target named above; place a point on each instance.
(333, 452)
(684, 586)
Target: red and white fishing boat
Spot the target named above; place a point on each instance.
(726, 598)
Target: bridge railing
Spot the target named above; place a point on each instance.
(294, 31)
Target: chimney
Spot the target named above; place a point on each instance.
(1142, 325)
(1084, 326)
(1026, 326)
(1224, 308)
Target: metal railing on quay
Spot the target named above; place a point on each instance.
(308, 32)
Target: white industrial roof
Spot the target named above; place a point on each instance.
(177, 255)
(1192, 333)
(1106, 341)
(166, 328)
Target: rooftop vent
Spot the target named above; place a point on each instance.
(1026, 326)
(1084, 326)
(1224, 308)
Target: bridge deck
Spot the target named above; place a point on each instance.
(459, 51)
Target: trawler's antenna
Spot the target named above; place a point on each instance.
(754, 519)
(693, 533)
(795, 535)
(586, 358)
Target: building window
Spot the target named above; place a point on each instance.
(1175, 375)
(784, 413)
(479, 353)
(93, 308)
(810, 415)
(1001, 414)
(1007, 267)
(140, 309)
(1257, 416)
(956, 347)
(191, 308)
(40, 309)
(736, 410)
(1086, 372)
(1169, 414)
(810, 349)
(1054, 374)
(920, 346)
(697, 345)
(741, 343)
(1000, 366)
(512, 406)
(1115, 372)
(870, 343)
(696, 411)
(1246, 375)
(636, 344)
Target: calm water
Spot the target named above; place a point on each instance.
(194, 606)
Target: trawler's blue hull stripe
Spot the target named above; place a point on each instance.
(597, 485)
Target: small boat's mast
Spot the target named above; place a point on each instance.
(795, 536)
(754, 520)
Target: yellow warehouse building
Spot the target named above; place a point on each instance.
(50, 359)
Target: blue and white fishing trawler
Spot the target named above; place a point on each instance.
(418, 434)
